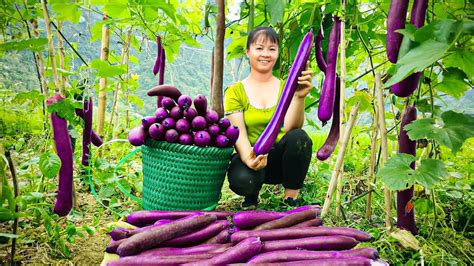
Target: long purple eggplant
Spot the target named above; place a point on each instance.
(265, 142)
(157, 66)
(407, 86)
(328, 93)
(161, 78)
(319, 51)
(311, 243)
(95, 139)
(295, 255)
(405, 210)
(144, 217)
(299, 233)
(330, 144)
(397, 15)
(62, 142)
(87, 133)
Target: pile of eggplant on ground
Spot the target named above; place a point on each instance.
(260, 237)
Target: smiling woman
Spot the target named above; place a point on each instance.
(250, 104)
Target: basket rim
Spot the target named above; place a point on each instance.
(193, 149)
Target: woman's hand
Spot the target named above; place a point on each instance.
(304, 82)
(255, 163)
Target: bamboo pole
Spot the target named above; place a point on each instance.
(341, 109)
(216, 97)
(340, 158)
(123, 61)
(104, 55)
(49, 35)
(383, 137)
(373, 159)
(62, 64)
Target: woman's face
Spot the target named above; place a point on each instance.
(262, 55)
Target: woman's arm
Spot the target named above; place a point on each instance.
(294, 117)
(243, 146)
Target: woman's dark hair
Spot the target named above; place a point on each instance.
(266, 32)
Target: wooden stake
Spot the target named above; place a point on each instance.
(216, 97)
(104, 55)
(342, 95)
(340, 158)
(383, 137)
(373, 159)
(49, 35)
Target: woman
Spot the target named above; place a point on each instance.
(250, 104)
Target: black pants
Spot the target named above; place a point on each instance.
(287, 164)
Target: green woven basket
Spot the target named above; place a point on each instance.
(182, 177)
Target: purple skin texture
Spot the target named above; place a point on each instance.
(270, 133)
(328, 92)
(405, 213)
(137, 135)
(157, 131)
(407, 86)
(396, 20)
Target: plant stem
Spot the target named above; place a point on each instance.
(368, 71)
(435, 214)
(383, 137)
(69, 44)
(15, 193)
(368, 51)
(340, 158)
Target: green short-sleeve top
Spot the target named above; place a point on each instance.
(256, 119)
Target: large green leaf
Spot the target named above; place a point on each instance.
(276, 8)
(452, 133)
(462, 59)
(104, 69)
(417, 59)
(49, 164)
(32, 44)
(398, 175)
(453, 83)
(430, 171)
(67, 11)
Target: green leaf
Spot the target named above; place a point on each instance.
(168, 9)
(455, 129)
(397, 173)
(417, 59)
(32, 44)
(117, 10)
(137, 101)
(429, 172)
(49, 164)
(104, 69)
(7, 214)
(106, 191)
(453, 83)
(8, 235)
(462, 59)
(67, 11)
(276, 9)
(364, 98)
